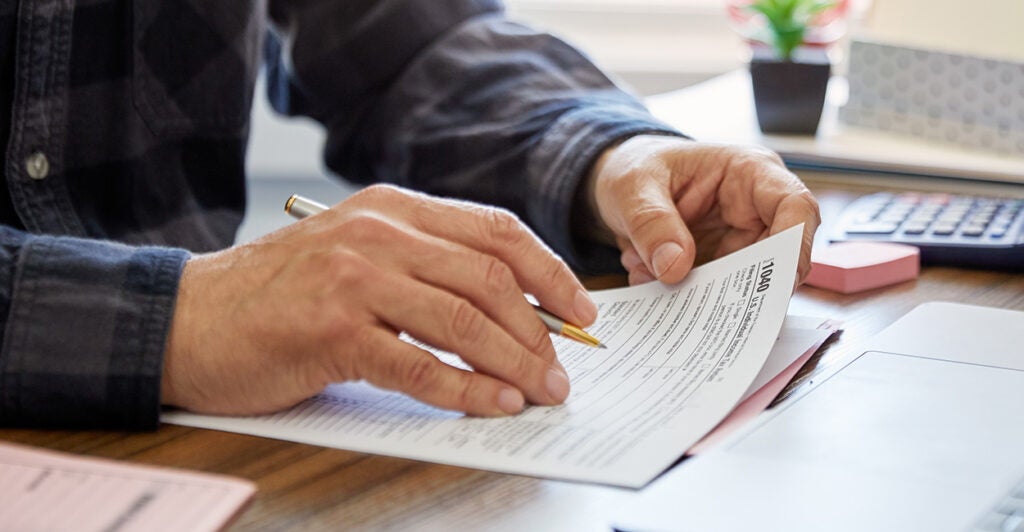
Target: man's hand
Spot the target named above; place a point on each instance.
(262, 326)
(670, 202)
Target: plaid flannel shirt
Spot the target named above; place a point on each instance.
(127, 137)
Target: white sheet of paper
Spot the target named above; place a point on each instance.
(47, 490)
(678, 360)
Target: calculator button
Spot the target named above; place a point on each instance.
(915, 229)
(944, 229)
(892, 218)
(973, 230)
(873, 228)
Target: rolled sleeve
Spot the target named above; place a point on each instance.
(87, 323)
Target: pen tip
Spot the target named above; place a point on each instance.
(602, 346)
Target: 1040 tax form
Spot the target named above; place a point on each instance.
(679, 359)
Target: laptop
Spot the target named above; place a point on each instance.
(923, 430)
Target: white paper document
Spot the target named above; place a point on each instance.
(679, 358)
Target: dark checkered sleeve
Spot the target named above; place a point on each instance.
(86, 327)
(449, 97)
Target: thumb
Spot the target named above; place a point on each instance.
(658, 233)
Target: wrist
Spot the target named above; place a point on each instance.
(587, 222)
(176, 348)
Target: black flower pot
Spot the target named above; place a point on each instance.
(789, 95)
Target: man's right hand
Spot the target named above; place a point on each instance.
(262, 326)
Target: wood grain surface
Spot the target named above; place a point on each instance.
(302, 487)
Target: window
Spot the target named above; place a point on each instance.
(651, 45)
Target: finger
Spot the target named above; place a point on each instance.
(736, 239)
(630, 259)
(793, 210)
(657, 231)
(489, 285)
(387, 362)
(640, 277)
(771, 197)
(638, 272)
(483, 280)
(499, 233)
(455, 325)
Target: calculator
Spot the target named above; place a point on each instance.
(949, 229)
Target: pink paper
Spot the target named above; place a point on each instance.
(756, 403)
(47, 490)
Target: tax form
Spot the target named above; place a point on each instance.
(679, 358)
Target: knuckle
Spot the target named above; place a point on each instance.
(346, 268)
(498, 277)
(338, 325)
(540, 342)
(347, 366)
(522, 368)
(365, 225)
(646, 217)
(812, 202)
(418, 374)
(467, 323)
(556, 272)
(379, 192)
(757, 154)
(749, 164)
(466, 395)
(751, 160)
(504, 227)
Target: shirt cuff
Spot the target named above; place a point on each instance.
(562, 162)
(85, 335)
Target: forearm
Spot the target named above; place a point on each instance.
(487, 110)
(85, 329)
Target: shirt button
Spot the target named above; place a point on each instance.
(37, 165)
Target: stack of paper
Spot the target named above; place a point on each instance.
(680, 358)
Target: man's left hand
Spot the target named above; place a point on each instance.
(670, 203)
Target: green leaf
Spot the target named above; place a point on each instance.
(788, 21)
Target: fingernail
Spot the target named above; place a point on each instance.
(639, 278)
(665, 256)
(558, 384)
(584, 307)
(510, 401)
(630, 261)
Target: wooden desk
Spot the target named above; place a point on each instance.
(306, 487)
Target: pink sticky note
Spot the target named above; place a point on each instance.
(849, 267)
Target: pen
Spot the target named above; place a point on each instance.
(300, 207)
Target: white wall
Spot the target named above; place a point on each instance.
(651, 45)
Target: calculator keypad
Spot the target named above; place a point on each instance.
(949, 229)
(920, 216)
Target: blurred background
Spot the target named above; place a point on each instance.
(649, 46)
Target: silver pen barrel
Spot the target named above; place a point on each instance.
(554, 324)
(301, 207)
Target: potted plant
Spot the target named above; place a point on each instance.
(789, 67)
